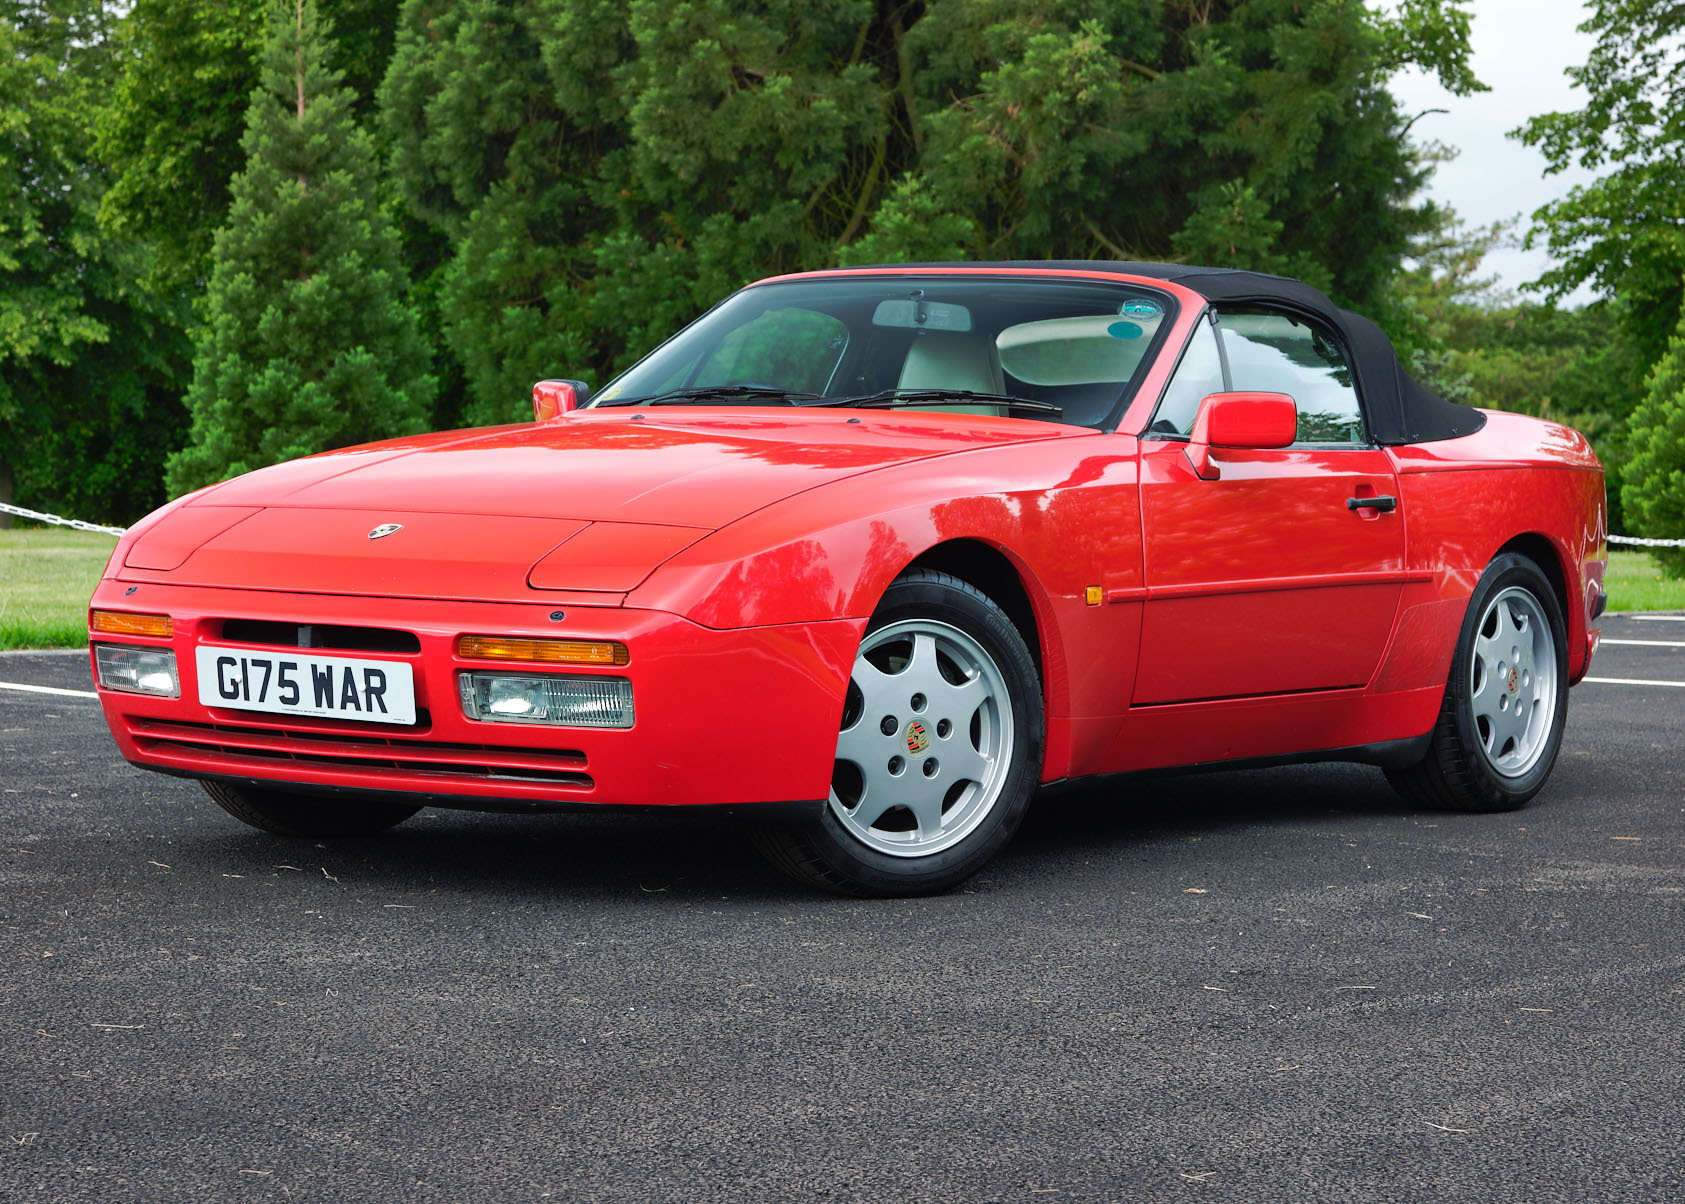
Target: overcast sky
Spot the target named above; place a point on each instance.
(1520, 50)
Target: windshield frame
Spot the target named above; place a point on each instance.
(1125, 286)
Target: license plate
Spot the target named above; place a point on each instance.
(324, 687)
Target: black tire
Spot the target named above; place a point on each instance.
(306, 815)
(1461, 771)
(841, 852)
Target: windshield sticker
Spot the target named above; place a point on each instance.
(1124, 330)
(1140, 309)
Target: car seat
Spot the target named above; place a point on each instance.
(945, 359)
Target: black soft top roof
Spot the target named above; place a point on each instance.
(1399, 408)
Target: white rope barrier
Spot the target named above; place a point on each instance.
(75, 524)
(1647, 543)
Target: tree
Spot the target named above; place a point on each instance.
(1625, 232)
(1472, 342)
(87, 411)
(309, 342)
(170, 129)
(1256, 134)
(600, 171)
(1653, 489)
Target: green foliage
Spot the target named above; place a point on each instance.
(170, 129)
(1622, 233)
(310, 343)
(912, 226)
(1473, 344)
(1232, 226)
(1433, 34)
(1654, 486)
(506, 125)
(599, 171)
(87, 411)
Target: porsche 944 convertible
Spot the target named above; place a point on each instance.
(869, 556)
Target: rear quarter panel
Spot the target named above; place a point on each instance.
(1519, 482)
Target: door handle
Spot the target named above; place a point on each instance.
(1381, 502)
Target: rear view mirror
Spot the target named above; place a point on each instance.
(553, 398)
(918, 314)
(1241, 420)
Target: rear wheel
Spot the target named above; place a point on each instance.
(1500, 726)
(939, 752)
(306, 815)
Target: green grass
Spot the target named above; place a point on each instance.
(47, 575)
(46, 578)
(1635, 582)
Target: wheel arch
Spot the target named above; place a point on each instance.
(995, 573)
(1554, 564)
(1006, 580)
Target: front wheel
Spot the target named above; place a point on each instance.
(939, 752)
(1506, 702)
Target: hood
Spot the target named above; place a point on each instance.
(700, 467)
(591, 502)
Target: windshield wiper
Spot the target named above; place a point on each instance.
(694, 393)
(959, 397)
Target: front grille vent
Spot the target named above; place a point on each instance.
(228, 745)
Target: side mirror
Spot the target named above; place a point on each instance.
(553, 398)
(1240, 420)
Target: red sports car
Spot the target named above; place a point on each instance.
(873, 554)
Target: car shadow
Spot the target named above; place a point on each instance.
(677, 856)
(535, 855)
(1125, 807)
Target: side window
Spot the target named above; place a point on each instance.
(1198, 375)
(1274, 353)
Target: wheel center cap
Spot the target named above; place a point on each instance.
(1514, 676)
(918, 739)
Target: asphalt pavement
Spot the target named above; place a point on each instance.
(1283, 985)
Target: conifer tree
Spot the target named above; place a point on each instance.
(1653, 489)
(309, 341)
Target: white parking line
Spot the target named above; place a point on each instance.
(1632, 681)
(12, 685)
(1648, 643)
(1658, 618)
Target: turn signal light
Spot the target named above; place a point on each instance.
(549, 652)
(116, 622)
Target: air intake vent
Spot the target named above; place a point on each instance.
(226, 747)
(318, 635)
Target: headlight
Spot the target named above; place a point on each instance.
(554, 700)
(137, 670)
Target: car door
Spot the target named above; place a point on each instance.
(1266, 580)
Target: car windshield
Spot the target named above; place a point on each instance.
(1055, 350)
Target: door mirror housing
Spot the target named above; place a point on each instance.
(553, 398)
(1258, 421)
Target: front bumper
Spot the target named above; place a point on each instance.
(743, 716)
